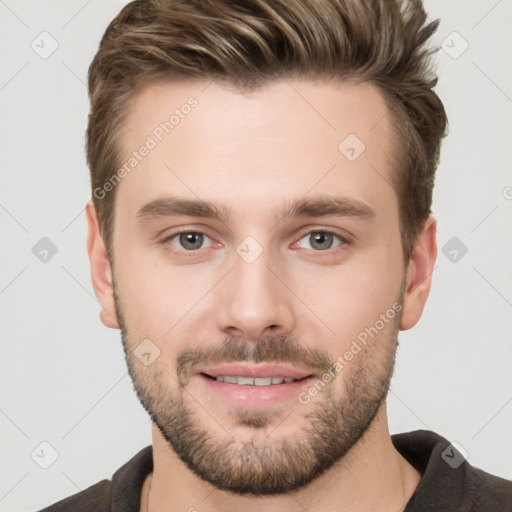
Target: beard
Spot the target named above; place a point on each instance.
(263, 465)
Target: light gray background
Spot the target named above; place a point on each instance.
(63, 376)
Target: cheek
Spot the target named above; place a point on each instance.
(160, 302)
(344, 300)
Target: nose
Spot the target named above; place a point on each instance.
(253, 302)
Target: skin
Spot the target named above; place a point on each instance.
(251, 152)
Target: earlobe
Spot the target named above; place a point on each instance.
(101, 274)
(419, 275)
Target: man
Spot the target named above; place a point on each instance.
(260, 231)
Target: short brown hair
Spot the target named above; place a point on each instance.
(248, 43)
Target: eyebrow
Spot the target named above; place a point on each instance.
(305, 207)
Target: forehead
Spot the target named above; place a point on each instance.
(248, 150)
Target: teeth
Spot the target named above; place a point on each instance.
(245, 381)
(262, 381)
(257, 381)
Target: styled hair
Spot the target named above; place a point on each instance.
(249, 43)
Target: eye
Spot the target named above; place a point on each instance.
(187, 240)
(321, 240)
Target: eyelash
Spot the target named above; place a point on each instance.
(344, 241)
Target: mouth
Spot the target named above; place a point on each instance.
(254, 386)
(253, 381)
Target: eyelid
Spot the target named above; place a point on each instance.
(173, 234)
(343, 236)
(344, 241)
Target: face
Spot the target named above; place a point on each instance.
(258, 274)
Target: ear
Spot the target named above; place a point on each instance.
(101, 273)
(419, 275)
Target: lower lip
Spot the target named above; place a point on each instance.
(255, 396)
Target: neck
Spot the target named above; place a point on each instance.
(372, 476)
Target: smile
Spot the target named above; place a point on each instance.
(253, 381)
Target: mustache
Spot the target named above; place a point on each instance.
(271, 349)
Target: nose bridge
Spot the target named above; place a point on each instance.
(254, 300)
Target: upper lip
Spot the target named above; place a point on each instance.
(246, 370)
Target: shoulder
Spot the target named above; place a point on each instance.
(449, 481)
(96, 497)
(490, 492)
(122, 492)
